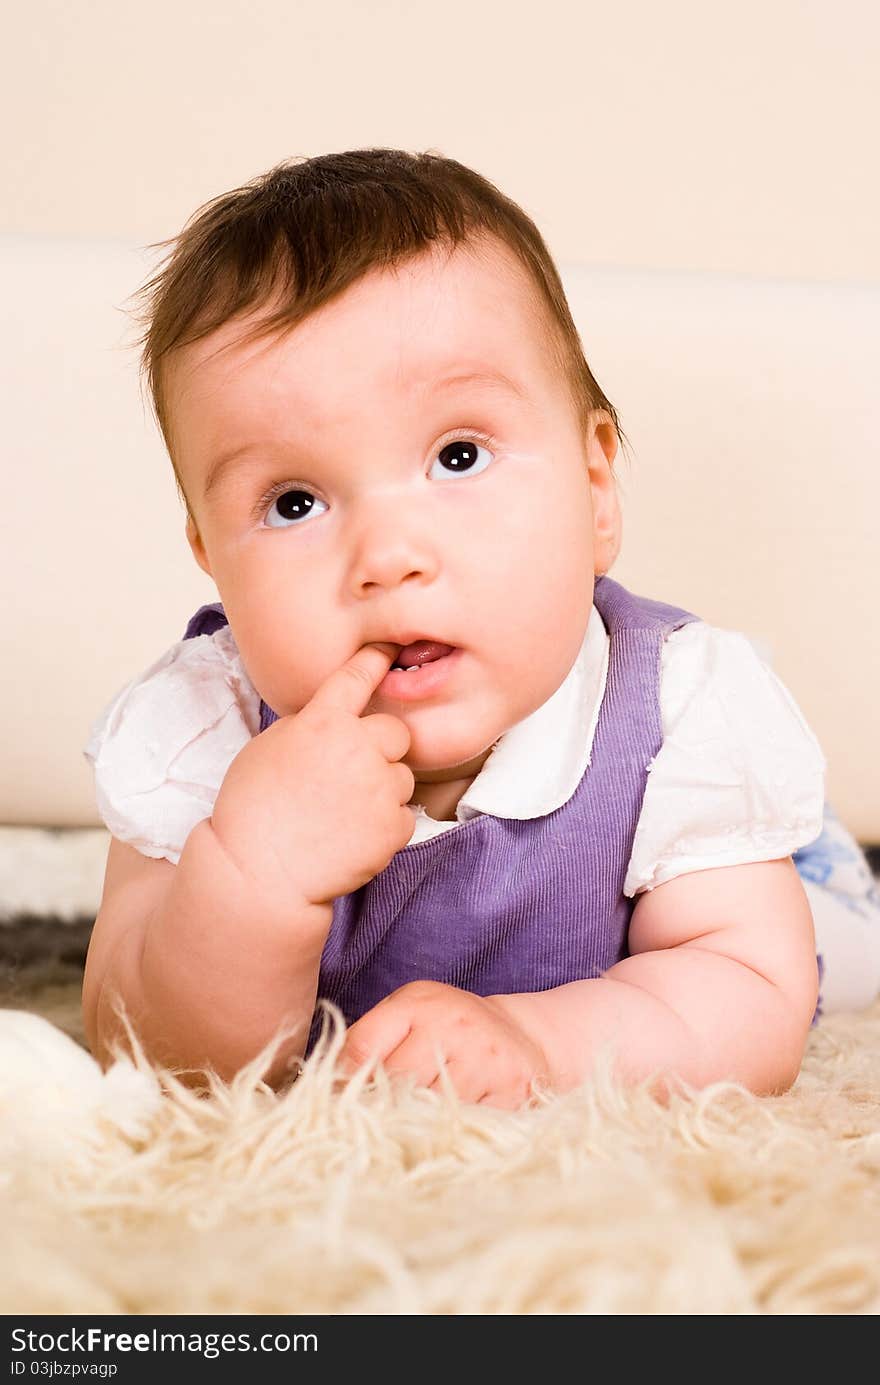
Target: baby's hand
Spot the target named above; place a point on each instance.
(489, 1059)
(316, 805)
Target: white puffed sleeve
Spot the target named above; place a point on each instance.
(161, 748)
(740, 776)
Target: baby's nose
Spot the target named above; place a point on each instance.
(388, 554)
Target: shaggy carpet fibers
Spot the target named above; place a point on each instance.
(124, 1192)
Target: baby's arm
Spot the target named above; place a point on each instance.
(206, 964)
(721, 983)
(212, 955)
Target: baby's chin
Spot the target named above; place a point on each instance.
(447, 756)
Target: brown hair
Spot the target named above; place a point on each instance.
(313, 227)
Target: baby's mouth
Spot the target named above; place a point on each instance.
(413, 656)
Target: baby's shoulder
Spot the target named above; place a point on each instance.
(714, 676)
(183, 692)
(699, 645)
(739, 776)
(162, 745)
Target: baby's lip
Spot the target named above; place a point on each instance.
(405, 638)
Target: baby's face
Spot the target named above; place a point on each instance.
(376, 495)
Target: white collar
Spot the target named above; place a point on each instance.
(536, 766)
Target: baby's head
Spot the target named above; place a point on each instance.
(383, 428)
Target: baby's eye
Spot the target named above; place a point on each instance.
(461, 457)
(292, 507)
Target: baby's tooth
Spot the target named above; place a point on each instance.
(413, 668)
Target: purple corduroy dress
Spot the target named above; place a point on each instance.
(498, 905)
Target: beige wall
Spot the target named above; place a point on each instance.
(735, 141)
(686, 134)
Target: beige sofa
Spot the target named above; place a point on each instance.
(751, 498)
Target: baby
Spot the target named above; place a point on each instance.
(424, 759)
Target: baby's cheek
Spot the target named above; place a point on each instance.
(283, 685)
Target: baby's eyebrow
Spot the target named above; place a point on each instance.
(488, 379)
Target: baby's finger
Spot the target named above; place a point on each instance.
(391, 735)
(350, 687)
(421, 1054)
(374, 1035)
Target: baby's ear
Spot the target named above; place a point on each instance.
(607, 518)
(606, 434)
(196, 543)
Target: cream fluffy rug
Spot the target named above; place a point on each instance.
(121, 1194)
